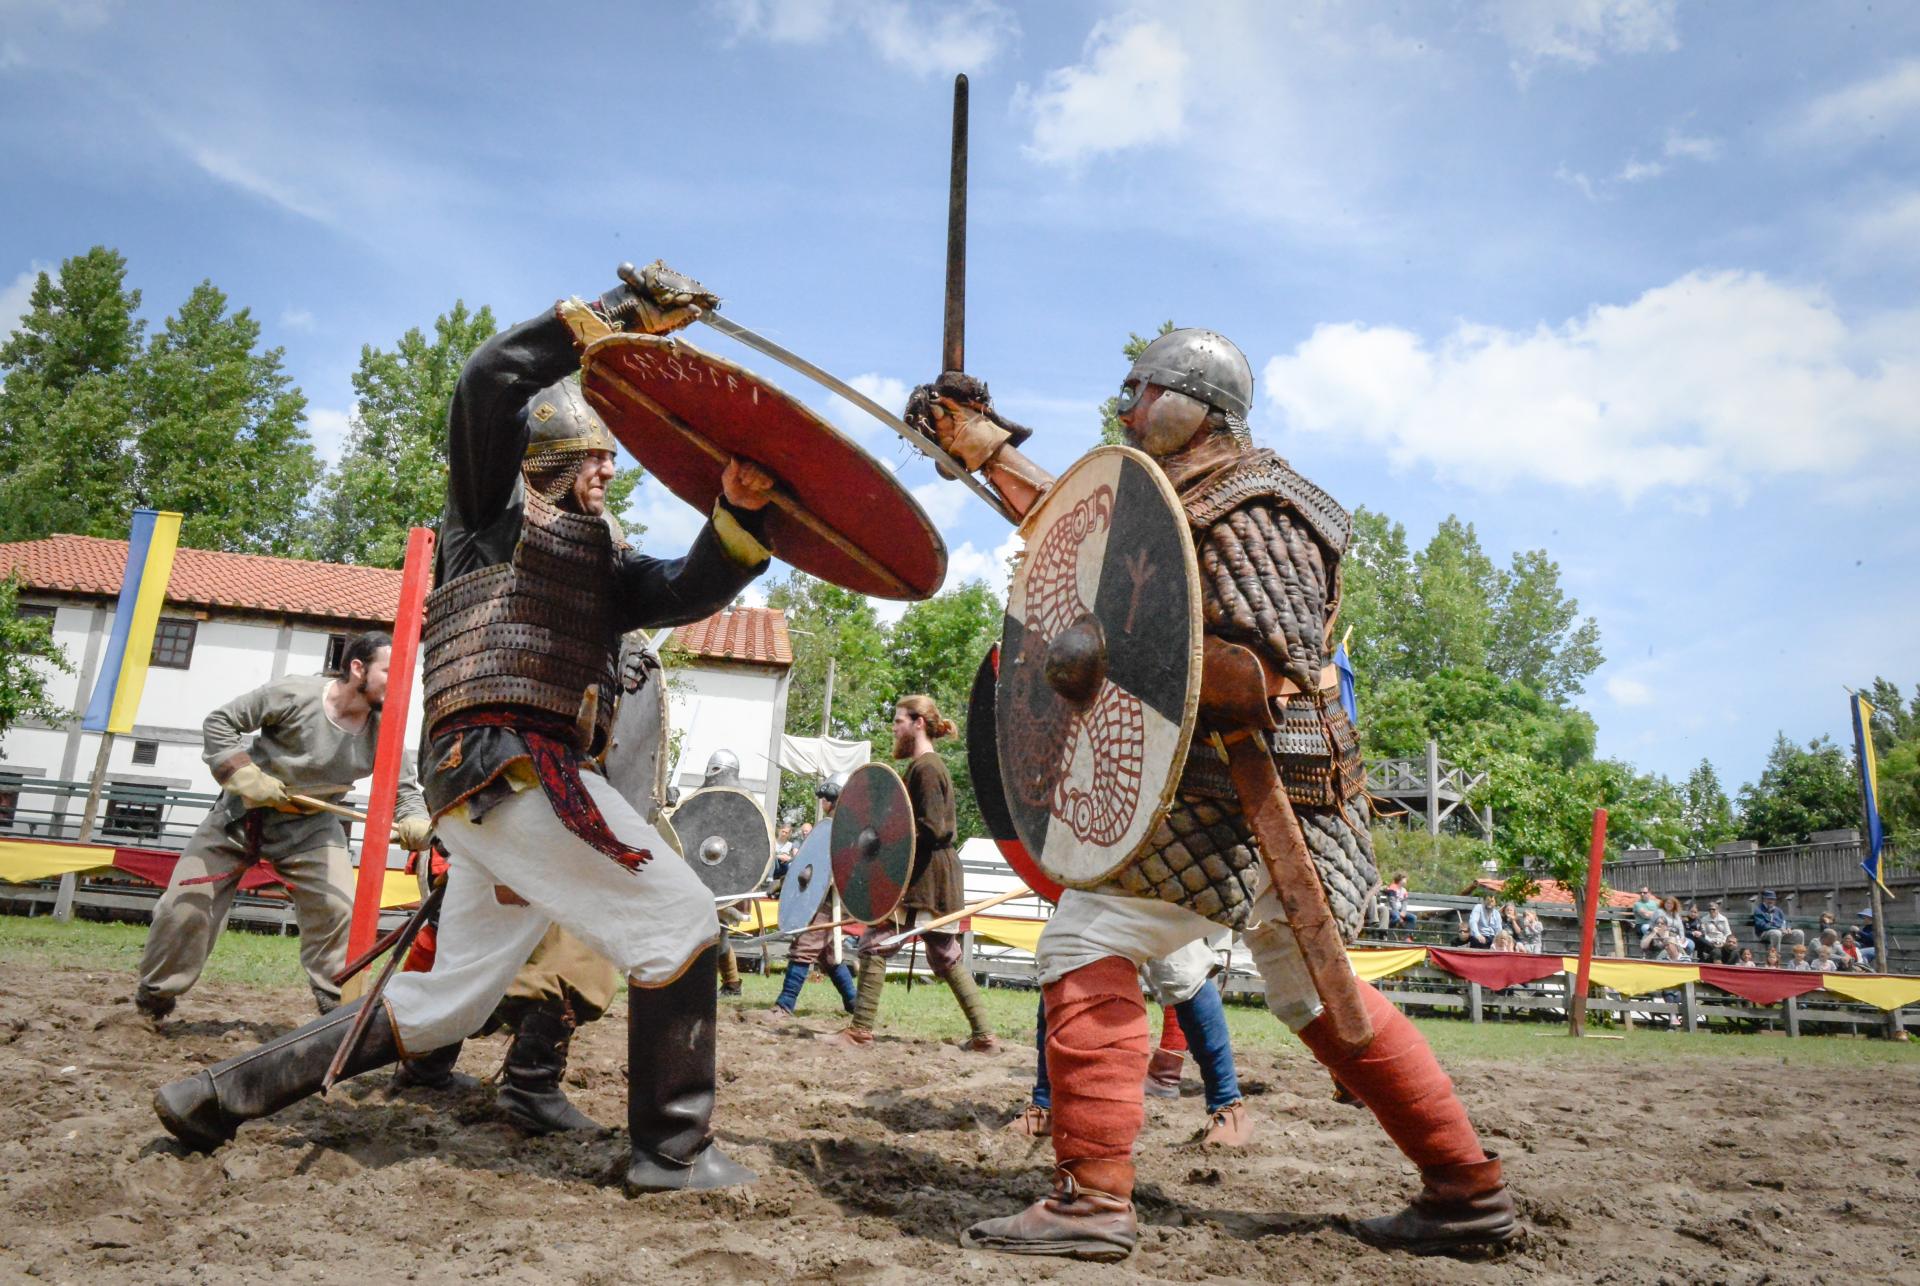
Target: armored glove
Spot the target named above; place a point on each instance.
(655, 300)
(957, 412)
(637, 668)
(413, 833)
(256, 787)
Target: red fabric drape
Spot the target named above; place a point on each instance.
(1761, 986)
(1497, 970)
(156, 867)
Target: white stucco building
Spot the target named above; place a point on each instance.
(234, 621)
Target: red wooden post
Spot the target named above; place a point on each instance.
(415, 580)
(1589, 921)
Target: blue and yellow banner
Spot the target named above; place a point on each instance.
(1869, 786)
(1342, 663)
(143, 588)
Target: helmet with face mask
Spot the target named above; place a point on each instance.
(1198, 371)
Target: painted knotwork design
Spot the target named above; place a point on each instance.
(1083, 765)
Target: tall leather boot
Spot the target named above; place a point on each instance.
(433, 1070)
(536, 1065)
(729, 971)
(670, 1079)
(796, 978)
(206, 1109)
(1096, 1059)
(1463, 1201)
(974, 1006)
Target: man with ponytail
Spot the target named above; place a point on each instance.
(937, 887)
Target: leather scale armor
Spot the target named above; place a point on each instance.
(1269, 545)
(536, 632)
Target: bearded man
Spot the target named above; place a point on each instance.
(311, 735)
(1269, 545)
(522, 646)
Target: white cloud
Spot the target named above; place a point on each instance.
(943, 501)
(1581, 32)
(889, 392)
(1129, 90)
(1577, 179)
(236, 171)
(1888, 231)
(328, 427)
(1639, 171)
(14, 298)
(1629, 692)
(671, 523)
(1863, 109)
(297, 319)
(1702, 386)
(926, 39)
(969, 563)
(1691, 147)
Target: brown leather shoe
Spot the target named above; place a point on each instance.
(1034, 1121)
(1163, 1073)
(848, 1038)
(987, 1044)
(1228, 1127)
(1074, 1223)
(1460, 1207)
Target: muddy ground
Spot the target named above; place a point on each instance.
(1742, 1170)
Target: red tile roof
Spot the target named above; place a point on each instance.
(329, 591)
(756, 634)
(1553, 891)
(208, 578)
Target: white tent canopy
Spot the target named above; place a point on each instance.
(822, 756)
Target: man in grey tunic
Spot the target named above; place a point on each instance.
(313, 736)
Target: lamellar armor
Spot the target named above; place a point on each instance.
(536, 633)
(1269, 545)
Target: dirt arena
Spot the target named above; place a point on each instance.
(1731, 1170)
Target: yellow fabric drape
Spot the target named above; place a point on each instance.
(1375, 965)
(23, 861)
(1880, 992)
(763, 916)
(1009, 931)
(1635, 977)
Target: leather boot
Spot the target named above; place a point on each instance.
(789, 998)
(1163, 1073)
(974, 1006)
(1074, 1223)
(433, 1070)
(152, 1004)
(206, 1109)
(729, 971)
(1459, 1206)
(1228, 1127)
(670, 1080)
(866, 1007)
(1034, 1121)
(536, 1064)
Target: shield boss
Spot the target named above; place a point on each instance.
(873, 843)
(1099, 666)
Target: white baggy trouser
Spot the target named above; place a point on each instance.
(1091, 926)
(650, 922)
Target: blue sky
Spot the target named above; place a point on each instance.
(1629, 280)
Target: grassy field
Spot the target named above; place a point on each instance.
(928, 1011)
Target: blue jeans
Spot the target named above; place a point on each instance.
(1202, 1019)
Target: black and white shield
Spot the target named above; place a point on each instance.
(725, 839)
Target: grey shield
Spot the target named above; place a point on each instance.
(808, 878)
(725, 839)
(636, 763)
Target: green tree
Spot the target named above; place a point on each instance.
(392, 474)
(1896, 745)
(936, 648)
(1537, 636)
(830, 622)
(65, 403)
(1111, 431)
(1801, 790)
(1706, 810)
(27, 653)
(219, 433)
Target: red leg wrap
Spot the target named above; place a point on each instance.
(1097, 1048)
(1171, 1037)
(420, 955)
(1397, 1078)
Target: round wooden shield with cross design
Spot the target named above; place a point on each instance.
(1099, 666)
(872, 843)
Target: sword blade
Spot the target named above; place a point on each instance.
(927, 446)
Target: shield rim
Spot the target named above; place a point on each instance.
(906, 801)
(989, 792)
(1190, 563)
(602, 351)
(662, 768)
(760, 812)
(822, 835)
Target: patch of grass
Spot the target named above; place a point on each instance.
(252, 959)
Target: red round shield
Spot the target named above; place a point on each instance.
(983, 765)
(838, 514)
(872, 843)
